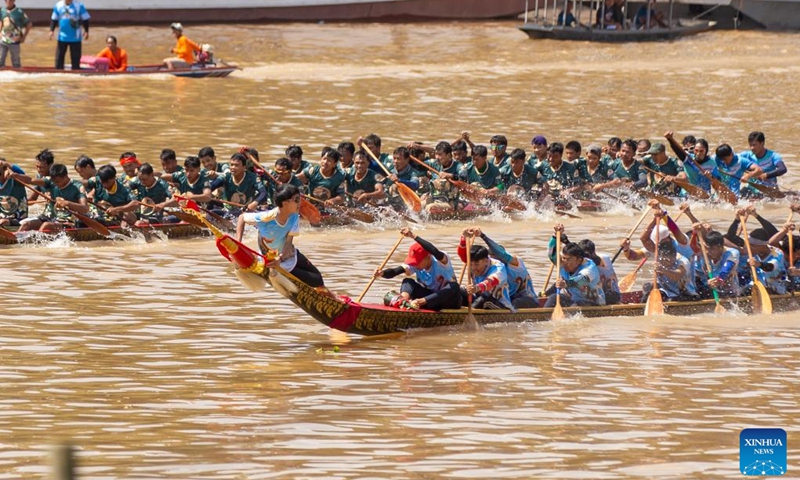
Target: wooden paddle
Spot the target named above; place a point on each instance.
(470, 320)
(722, 190)
(655, 196)
(638, 209)
(630, 234)
(476, 195)
(767, 190)
(306, 209)
(718, 309)
(89, 222)
(558, 311)
(372, 204)
(655, 304)
(383, 264)
(791, 253)
(8, 235)
(353, 213)
(761, 301)
(410, 198)
(547, 280)
(692, 190)
(627, 282)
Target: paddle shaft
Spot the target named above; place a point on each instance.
(547, 280)
(383, 264)
(469, 273)
(753, 272)
(760, 294)
(558, 311)
(630, 234)
(791, 241)
(686, 185)
(89, 222)
(708, 267)
(400, 185)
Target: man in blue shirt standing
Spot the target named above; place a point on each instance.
(69, 16)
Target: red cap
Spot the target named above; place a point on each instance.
(416, 254)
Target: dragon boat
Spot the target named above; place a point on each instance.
(344, 314)
(163, 230)
(193, 71)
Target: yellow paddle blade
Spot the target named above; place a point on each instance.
(627, 282)
(410, 198)
(761, 301)
(558, 313)
(655, 304)
(719, 309)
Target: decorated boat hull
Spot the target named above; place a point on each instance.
(372, 319)
(168, 230)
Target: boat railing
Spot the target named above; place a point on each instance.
(542, 17)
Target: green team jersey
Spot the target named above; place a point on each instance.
(488, 178)
(303, 166)
(71, 192)
(634, 172)
(158, 192)
(121, 196)
(602, 172)
(366, 184)
(565, 177)
(506, 160)
(13, 200)
(671, 167)
(333, 184)
(244, 192)
(526, 180)
(201, 183)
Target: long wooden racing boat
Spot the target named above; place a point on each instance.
(168, 230)
(194, 71)
(682, 29)
(344, 314)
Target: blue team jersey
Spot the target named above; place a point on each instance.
(520, 283)
(500, 291)
(776, 279)
(584, 284)
(725, 270)
(273, 235)
(769, 162)
(684, 285)
(69, 18)
(608, 277)
(694, 172)
(738, 167)
(437, 276)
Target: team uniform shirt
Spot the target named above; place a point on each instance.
(272, 235)
(437, 276)
(725, 270)
(334, 184)
(385, 159)
(500, 291)
(534, 161)
(181, 180)
(602, 173)
(525, 180)
(120, 196)
(670, 167)
(13, 200)
(565, 177)
(442, 189)
(584, 285)
(303, 166)
(72, 192)
(774, 280)
(684, 285)
(185, 48)
(769, 163)
(608, 276)
(633, 172)
(244, 192)
(13, 25)
(694, 172)
(505, 161)
(489, 178)
(69, 18)
(520, 283)
(158, 192)
(738, 167)
(407, 176)
(126, 180)
(366, 184)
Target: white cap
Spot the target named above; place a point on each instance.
(663, 232)
(176, 26)
(208, 48)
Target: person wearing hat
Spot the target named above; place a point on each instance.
(184, 49)
(658, 161)
(435, 286)
(72, 20)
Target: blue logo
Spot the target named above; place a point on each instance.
(762, 451)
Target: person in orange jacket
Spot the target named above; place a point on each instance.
(117, 57)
